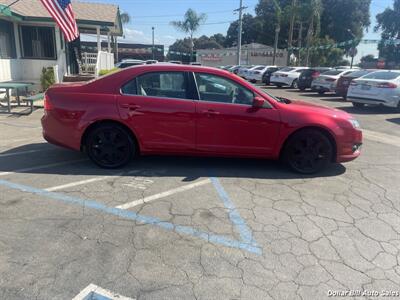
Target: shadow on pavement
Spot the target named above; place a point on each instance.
(369, 110)
(191, 168)
(394, 120)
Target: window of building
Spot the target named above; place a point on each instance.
(38, 42)
(7, 41)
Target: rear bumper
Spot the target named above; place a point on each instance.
(390, 101)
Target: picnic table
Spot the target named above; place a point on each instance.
(8, 86)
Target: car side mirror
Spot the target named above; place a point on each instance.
(258, 102)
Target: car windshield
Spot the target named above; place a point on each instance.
(333, 72)
(384, 75)
(287, 69)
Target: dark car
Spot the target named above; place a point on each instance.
(344, 82)
(267, 75)
(308, 75)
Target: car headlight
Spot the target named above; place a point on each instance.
(354, 123)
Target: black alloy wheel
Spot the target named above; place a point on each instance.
(308, 151)
(110, 146)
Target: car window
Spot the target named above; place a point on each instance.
(259, 68)
(161, 84)
(333, 72)
(384, 75)
(130, 88)
(358, 73)
(218, 89)
(286, 69)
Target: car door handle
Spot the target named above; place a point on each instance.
(210, 112)
(130, 106)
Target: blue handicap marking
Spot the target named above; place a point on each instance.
(246, 241)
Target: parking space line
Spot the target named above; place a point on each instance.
(163, 194)
(381, 137)
(19, 153)
(42, 167)
(86, 181)
(128, 214)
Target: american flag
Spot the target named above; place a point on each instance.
(61, 11)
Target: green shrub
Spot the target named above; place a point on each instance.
(104, 72)
(47, 78)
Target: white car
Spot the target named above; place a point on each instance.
(248, 71)
(243, 70)
(287, 76)
(377, 88)
(327, 81)
(255, 75)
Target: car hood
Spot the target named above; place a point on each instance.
(319, 109)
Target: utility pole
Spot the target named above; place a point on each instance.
(152, 28)
(239, 44)
(299, 44)
(278, 13)
(291, 27)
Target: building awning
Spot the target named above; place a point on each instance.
(6, 12)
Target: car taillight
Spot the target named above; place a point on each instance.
(47, 104)
(283, 75)
(315, 74)
(387, 85)
(330, 79)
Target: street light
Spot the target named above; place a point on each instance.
(353, 49)
(152, 28)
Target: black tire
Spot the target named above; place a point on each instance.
(321, 92)
(308, 151)
(358, 105)
(302, 88)
(279, 85)
(295, 84)
(110, 146)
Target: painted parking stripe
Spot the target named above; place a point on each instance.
(86, 181)
(19, 153)
(163, 194)
(63, 163)
(381, 137)
(127, 214)
(94, 292)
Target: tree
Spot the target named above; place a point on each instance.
(205, 42)
(368, 58)
(389, 22)
(190, 25)
(329, 57)
(219, 38)
(251, 28)
(125, 18)
(315, 9)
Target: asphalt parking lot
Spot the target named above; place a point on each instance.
(200, 228)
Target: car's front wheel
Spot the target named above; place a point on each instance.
(110, 146)
(295, 84)
(308, 151)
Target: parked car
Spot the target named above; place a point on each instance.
(344, 81)
(266, 77)
(192, 110)
(377, 88)
(326, 82)
(151, 61)
(255, 75)
(307, 76)
(243, 70)
(234, 69)
(176, 62)
(248, 71)
(125, 63)
(287, 76)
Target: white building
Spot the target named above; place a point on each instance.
(30, 39)
(252, 54)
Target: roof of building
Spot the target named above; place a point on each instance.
(94, 12)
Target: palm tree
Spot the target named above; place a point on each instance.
(278, 17)
(190, 25)
(314, 17)
(125, 18)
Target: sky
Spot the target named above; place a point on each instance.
(159, 13)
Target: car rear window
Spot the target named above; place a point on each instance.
(259, 68)
(332, 72)
(286, 69)
(359, 73)
(384, 75)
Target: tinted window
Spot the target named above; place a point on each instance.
(259, 68)
(333, 72)
(218, 89)
(159, 84)
(385, 75)
(38, 42)
(359, 73)
(130, 88)
(7, 49)
(286, 69)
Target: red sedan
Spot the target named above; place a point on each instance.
(192, 110)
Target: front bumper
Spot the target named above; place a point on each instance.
(350, 148)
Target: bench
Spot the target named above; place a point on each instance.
(32, 99)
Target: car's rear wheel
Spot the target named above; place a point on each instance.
(358, 105)
(110, 146)
(279, 85)
(302, 88)
(308, 151)
(295, 84)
